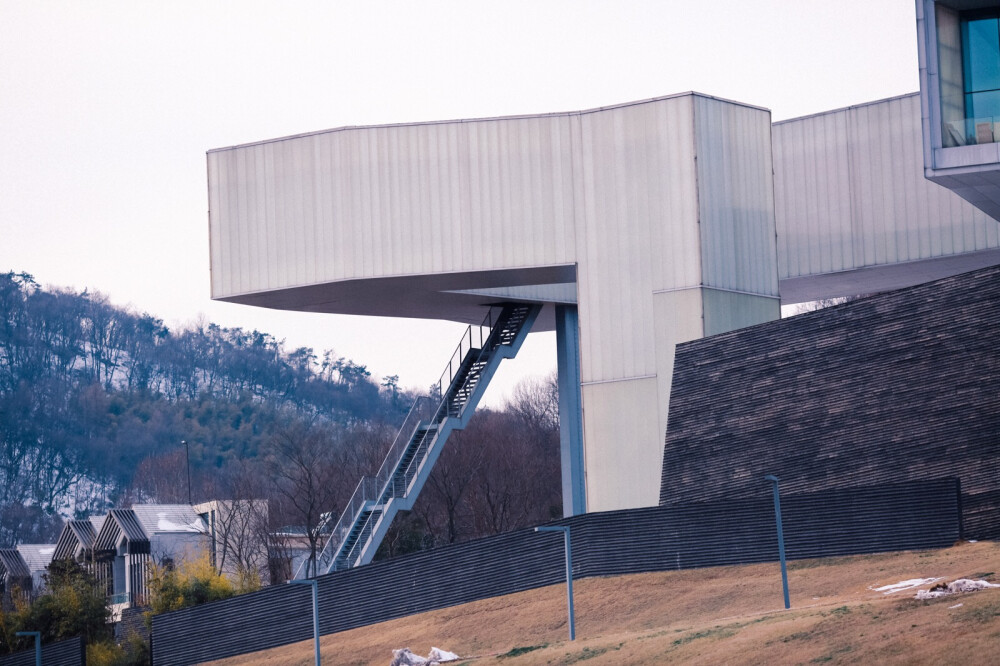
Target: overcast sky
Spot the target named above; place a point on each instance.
(107, 109)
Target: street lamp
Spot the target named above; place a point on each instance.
(187, 460)
(781, 537)
(38, 644)
(569, 571)
(315, 600)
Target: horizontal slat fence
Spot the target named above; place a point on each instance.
(838, 522)
(70, 652)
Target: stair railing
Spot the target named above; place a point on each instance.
(359, 543)
(474, 333)
(366, 491)
(419, 412)
(370, 489)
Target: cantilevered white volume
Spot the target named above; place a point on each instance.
(647, 223)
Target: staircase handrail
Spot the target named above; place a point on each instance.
(359, 545)
(474, 332)
(419, 411)
(464, 345)
(370, 489)
(366, 491)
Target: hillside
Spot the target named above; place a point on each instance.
(724, 615)
(97, 399)
(103, 406)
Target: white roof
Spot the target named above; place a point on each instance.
(168, 518)
(37, 555)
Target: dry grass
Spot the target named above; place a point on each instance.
(724, 615)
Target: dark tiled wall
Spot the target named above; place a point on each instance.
(894, 517)
(896, 387)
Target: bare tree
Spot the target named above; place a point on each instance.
(824, 303)
(536, 401)
(306, 479)
(442, 504)
(160, 478)
(241, 526)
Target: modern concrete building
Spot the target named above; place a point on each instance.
(22, 572)
(636, 226)
(959, 46)
(76, 541)
(129, 540)
(238, 539)
(633, 227)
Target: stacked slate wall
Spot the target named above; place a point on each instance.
(70, 652)
(896, 387)
(838, 522)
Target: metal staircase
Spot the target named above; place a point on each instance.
(356, 536)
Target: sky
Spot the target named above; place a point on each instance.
(107, 110)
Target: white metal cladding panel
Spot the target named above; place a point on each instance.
(735, 195)
(679, 318)
(671, 194)
(396, 200)
(851, 193)
(726, 311)
(639, 226)
(813, 195)
(623, 452)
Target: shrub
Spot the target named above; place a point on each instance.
(192, 583)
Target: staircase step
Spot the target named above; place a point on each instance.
(464, 385)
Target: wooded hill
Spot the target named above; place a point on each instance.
(96, 400)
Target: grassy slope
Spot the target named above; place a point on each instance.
(708, 616)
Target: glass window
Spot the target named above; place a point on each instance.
(983, 105)
(972, 116)
(981, 54)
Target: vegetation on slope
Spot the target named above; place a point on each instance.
(96, 400)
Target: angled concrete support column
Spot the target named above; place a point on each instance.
(574, 488)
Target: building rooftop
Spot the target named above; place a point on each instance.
(37, 555)
(163, 518)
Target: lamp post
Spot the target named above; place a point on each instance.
(781, 537)
(187, 460)
(569, 571)
(315, 603)
(38, 644)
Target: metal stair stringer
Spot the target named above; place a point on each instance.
(440, 438)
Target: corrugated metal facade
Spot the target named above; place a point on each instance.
(860, 520)
(644, 199)
(735, 198)
(850, 193)
(396, 200)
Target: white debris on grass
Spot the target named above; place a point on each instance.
(955, 587)
(955, 606)
(404, 657)
(440, 656)
(904, 585)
